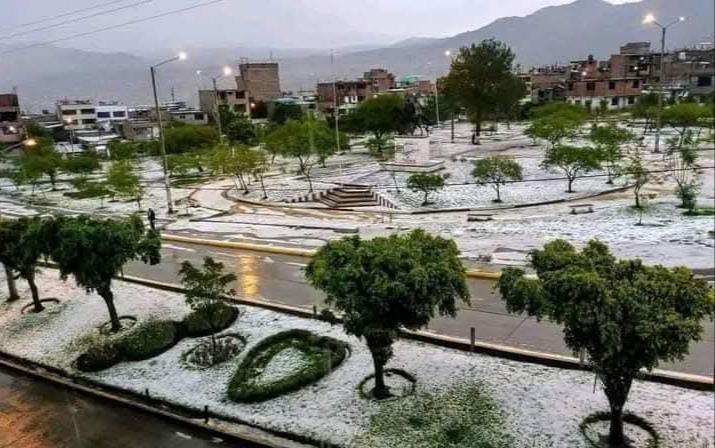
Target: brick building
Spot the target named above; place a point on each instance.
(235, 100)
(11, 127)
(351, 93)
(261, 80)
(545, 84)
(381, 79)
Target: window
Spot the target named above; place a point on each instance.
(636, 83)
(611, 85)
(182, 117)
(242, 94)
(69, 112)
(705, 81)
(570, 86)
(120, 114)
(239, 108)
(614, 101)
(103, 115)
(89, 121)
(631, 100)
(198, 117)
(87, 111)
(590, 86)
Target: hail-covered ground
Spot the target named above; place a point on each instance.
(543, 406)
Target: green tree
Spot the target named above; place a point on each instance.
(411, 278)
(479, 77)
(425, 183)
(556, 122)
(511, 92)
(119, 150)
(608, 140)
(240, 131)
(688, 196)
(638, 174)
(238, 161)
(182, 164)
(573, 161)
(497, 171)
(626, 316)
(180, 139)
(82, 165)
(310, 141)
(21, 247)
(206, 291)
(31, 167)
(94, 251)
(683, 116)
(123, 181)
(380, 116)
(682, 161)
(282, 112)
(646, 108)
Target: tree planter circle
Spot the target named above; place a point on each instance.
(126, 323)
(199, 356)
(639, 432)
(400, 383)
(29, 308)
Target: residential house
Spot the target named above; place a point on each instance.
(11, 127)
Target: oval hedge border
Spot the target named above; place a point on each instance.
(242, 389)
(241, 339)
(26, 309)
(628, 417)
(147, 340)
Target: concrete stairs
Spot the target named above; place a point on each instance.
(350, 197)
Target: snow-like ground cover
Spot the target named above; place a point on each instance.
(543, 406)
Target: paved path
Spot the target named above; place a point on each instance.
(35, 414)
(280, 279)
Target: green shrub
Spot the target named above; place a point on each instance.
(460, 417)
(197, 326)
(245, 386)
(144, 341)
(148, 340)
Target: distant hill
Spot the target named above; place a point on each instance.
(552, 34)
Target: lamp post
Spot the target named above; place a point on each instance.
(70, 125)
(226, 71)
(648, 19)
(167, 184)
(448, 54)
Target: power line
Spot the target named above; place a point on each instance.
(111, 27)
(76, 19)
(59, 16)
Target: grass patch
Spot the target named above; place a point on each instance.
(196, 325)
(704, 211)
(319, 355)
(461, 417)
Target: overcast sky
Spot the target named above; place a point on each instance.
(277, 23)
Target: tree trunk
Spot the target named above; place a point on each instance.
(498, 193)
(310, 182)
(263, 187)
(381, 390)
(452, 127)
(30, 277)
(214, 346)
(11, 285)
(426, 195)
(106, 293)
(570, 190)
(638, 199)
(617, 390)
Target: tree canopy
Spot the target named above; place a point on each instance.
(124, 182)
(181, 139)
(382, 285)
(626, 316)
(497, 171)
(425, 183)
(21, 247)
(380, 116)
(556, 122)
(608, 140)
(573, 161)
(479, 78)
(94, 251)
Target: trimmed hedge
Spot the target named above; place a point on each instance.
(149, 339)
(244, 387)
(196, 325)
(142, 342)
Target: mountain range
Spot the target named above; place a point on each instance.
(554, 34)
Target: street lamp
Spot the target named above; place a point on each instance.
(181, 56)
(651, 19)
(70, 125)
(448, 54)
(225, 71)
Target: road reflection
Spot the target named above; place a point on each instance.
(248, 276)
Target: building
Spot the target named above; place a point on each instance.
(233, 99)
(189, 116)
(412, 85)
(307, 101)
(260, 80)
(346, 94)
(108, 113)
(381, 79)
(545, 84)
(596, 84)
(80, 114)
(11, 128)
(689, 72)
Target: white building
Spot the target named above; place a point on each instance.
(108, 113)
(80, 114)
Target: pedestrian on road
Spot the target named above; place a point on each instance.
(151, 216)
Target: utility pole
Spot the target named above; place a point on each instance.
(335, 103)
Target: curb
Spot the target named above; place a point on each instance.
(684, 380)
(292, 251)
(127, 399)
